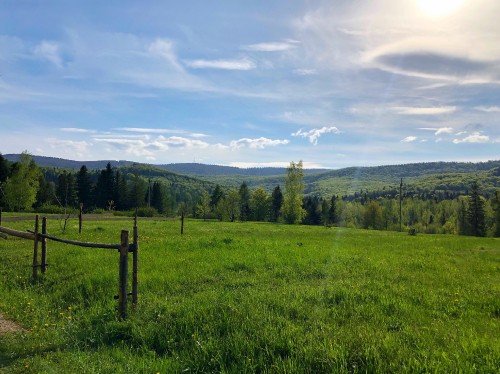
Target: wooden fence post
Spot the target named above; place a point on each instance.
(35, 250)
(80, 219)
(135, 265)
(44, 245)
(123, 276)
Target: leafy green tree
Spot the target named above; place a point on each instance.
(229, 206)
(260, 204)
(276, 204)
(245, 210)
(203, 207)
(373, 216)
(21, 187)
(4, 169)
(475, 211)
(294, 190)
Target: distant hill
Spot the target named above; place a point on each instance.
(427, 177)
(69, 164)
(215, 170)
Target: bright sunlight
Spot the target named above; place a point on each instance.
(440, 8)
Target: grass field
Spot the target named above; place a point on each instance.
(247, 297)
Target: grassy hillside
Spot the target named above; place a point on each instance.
(256, 298)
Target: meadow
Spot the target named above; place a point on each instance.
(254, 297)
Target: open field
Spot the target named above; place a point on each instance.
(247, 297)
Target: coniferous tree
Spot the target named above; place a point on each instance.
(120, 197)
(496, 209)
(203, 207)
(463, 225)
(276, 204)
(46, 192)
(332, 212)
(84, 187)
(105, 187)
(158, 197)
(215, 197)
(66, 190)
(476, 212)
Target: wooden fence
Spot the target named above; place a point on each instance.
(124, 247)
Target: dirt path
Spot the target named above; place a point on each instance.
(8, 326)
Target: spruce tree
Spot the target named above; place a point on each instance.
(476, 212)
(84, 187)
(276, 204)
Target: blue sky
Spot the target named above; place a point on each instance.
(252, 83)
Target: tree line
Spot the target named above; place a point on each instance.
(24, 186)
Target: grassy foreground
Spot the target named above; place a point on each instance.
(247, 297)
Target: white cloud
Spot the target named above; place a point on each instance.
(70, 147)
(438, 130)
(424, 111)
(488, 109)
(49, 51)
(315, 134)
(272, 46)
(147, 146)
(409, 139)
(159, 131)
(256, 143)
(473, 138)
(77, 130)
(164, 48)
(241, 64)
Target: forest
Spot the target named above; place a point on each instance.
(24, 186)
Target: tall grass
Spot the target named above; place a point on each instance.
(248, 297)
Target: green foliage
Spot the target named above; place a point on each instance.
(260, 204)
(203, 207)
(145, 211)
(372, 218)
(245, 211)
(276, 204)
(247, 298)
(21, 187)
(292, 198)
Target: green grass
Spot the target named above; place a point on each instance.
(248, 297)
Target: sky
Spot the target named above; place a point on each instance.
(251, 83)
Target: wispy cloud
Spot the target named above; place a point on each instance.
(473, 138)
(241, 64)
(69, 147)
(424, 111)
(488, 109)
(256, 143)
(305, 71)
(409, 139)
(271, 46)
(438, 130)
(146, 130)
(49, 51)
(77, 130)
(315, 134)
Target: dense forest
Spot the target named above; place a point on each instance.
(453, 203)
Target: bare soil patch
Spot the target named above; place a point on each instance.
(8, 326)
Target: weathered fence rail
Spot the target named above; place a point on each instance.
(123, 248)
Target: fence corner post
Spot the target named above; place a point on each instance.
(35, 250)
(44, 245)
(123, 276)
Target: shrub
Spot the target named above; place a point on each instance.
(147, 212)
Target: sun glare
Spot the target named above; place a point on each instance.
(440, 8)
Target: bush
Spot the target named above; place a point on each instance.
(147, 212)
(50, 209)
